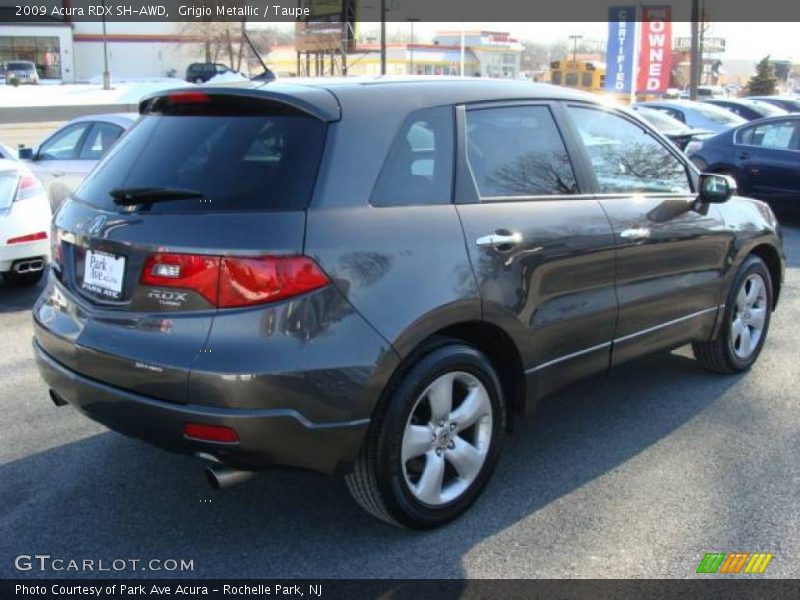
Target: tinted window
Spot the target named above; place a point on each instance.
(781, 136)
(586, 80)
(258, 162)
(100, 139)
(419, 165)
(625, 157)
(64, 145)
(518, 151)
(556, 77)
(571, 79)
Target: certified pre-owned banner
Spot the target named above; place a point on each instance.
(619, 54)
(656, 50)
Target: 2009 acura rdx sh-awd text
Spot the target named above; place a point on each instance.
(372, 277)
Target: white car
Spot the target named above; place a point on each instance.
(24, 225)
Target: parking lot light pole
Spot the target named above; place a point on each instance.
(106, 74)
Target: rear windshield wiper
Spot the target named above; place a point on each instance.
(148, 195)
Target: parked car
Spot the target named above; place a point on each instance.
(68, 155)
(374, 277)
(678, 133)
(763, 157)
(788, 103)
(202, 72)
(698, 115)
(24, 225)
(748, 109)
(23, 71)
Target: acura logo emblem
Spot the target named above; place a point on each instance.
(97, 225)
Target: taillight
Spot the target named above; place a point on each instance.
(247, 281)
(188, 271)
(31, 237)
(28, 186)
(228, 282)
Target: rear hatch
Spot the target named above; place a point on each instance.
(196, 208)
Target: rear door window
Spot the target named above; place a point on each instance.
(99, 141)
(781, 135)
(518, 151)
(236, 163)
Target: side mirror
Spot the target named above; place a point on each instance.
(25, 153)
(716, 188)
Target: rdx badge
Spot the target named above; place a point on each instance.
(168, 297)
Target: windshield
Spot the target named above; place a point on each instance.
(235, 163)
(19, 66)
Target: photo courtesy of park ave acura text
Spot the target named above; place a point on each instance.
(394, 298)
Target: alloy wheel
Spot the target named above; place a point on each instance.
(447, 437)
(749, 316)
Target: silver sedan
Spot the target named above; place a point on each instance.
(63, 160)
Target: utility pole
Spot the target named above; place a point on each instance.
(106, 73)
(695, 62)
(383, 37)
(411, 46)
(463, 50)
(575, 39)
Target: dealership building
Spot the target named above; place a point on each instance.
(73, 52)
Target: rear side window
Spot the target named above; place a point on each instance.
(419, 165)
(237, 163)
(518, 151)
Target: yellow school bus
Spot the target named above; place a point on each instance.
(587, 76)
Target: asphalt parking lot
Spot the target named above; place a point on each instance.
(635, 474)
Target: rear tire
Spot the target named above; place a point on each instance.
(23, 278)
(434, 442)
(748, 308)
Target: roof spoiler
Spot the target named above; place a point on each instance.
(316, 102)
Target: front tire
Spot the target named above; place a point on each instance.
(435, 440)
(748, 308)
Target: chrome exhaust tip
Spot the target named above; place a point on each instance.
(28, 266)
(219, 477)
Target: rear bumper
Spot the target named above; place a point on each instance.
(267, 437)
(11, 254)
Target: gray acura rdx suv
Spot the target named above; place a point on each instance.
(373, 277)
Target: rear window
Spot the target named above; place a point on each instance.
(259, 162)
(19, 66)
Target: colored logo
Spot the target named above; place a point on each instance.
(734, 562)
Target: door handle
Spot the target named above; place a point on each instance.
(498, 240)
(744, 155)
(641, 233)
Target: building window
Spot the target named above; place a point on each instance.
(45, 52)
